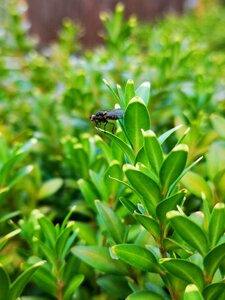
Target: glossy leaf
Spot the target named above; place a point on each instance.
(136, 117)
(4, 284)
(113, 225)
(137, 256)
(143, 92)
(162, 138)
(173, 165)
(189, 231)
(197, 185)
(145, 186)
(74, 283)
(115, 171)
(129, 90)
(185, 270)
(48, 230)
(213, 259)
(22, 280)
(169, 204)
(153, 150)
(214, 291)
(216, 223)
(142, 295)
(192, 293)
(100, 259)
(149, 224)
(128, 152)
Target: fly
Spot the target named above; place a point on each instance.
(103, 116)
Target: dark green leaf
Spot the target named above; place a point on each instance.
(4, 284)
(173, 165)
(185, 270)
(189, 231)
(113, 225)
(144, 295)
(137, 256)
(213, 259)
(149, 224)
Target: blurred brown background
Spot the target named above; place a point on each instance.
(46, 16)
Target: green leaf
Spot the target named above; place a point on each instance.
(129, 90)
(214, 291)
(89, 192)
(48, 231)
(216, 223)
(86, 232)
(218, 123)
(149, 224)
(100, 259)
(112, 223)
(197, 185)
(114, 285)
(169, 204)
(144, 295)
(114, 170)
(22, 280)
(192, 293)
(162, 138)
(145, 187)
(143, 92)
(189, 231)
(123, 146)
(50, 187)
(137, 256)
(173, 165)
(4, 284)
(128, 204)
(99, 182)
(74, 283)
(112, 91)
(63, 241)
(153, 150)
(215, 159)
(213, 259)
(8, 236)
(136, 117)
(184, 270)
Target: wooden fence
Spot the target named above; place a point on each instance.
(46, 16)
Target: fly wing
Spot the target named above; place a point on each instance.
(115, 113)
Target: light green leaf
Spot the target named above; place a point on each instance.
(149, 224)
(218, 123)
(189, 231)
(162, 138)
(169, 204)
(137, 256)
(129, 90)
(123, 146)
(48, 230)
(192, 293)
(112, 223)
(22, 280)
(197, 185)
(100, 259)
(173, 165)
(136, 117)
(145, 187)
(50, 187)
(184, 270)
(153, 150)
(144, 295)
(216, 223)
(74, 283)
(143, 92)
